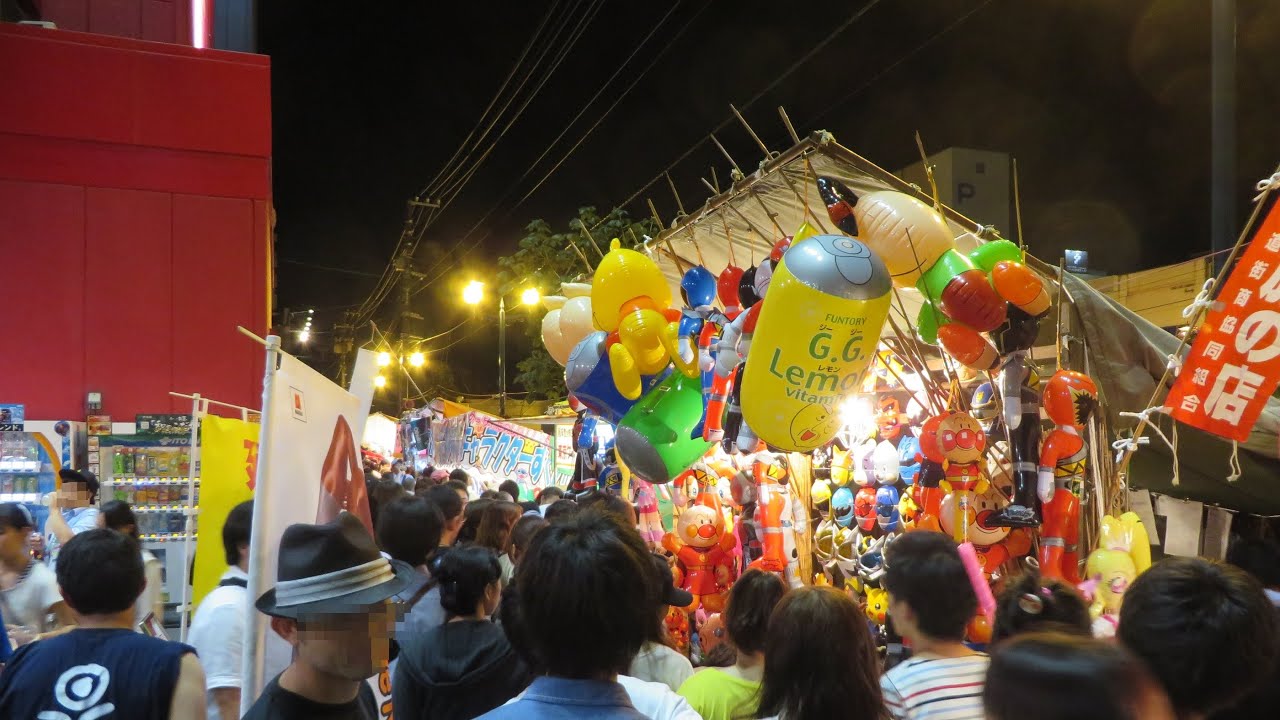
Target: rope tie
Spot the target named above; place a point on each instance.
(1174, 365)
(1235, 455)
(1266, 185)
(1124, 445)
(1204, 300)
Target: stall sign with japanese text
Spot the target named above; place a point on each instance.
(1234, 364)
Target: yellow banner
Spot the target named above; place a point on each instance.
(228, 456)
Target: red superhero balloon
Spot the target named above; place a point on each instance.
(1069, 399)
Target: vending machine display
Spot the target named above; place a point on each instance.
(27, 472)
(151, 472)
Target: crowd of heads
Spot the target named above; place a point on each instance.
(1194, 636)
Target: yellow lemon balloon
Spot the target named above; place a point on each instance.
(814, 340)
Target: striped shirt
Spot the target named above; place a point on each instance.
(928, 687)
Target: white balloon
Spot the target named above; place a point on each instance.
(555, 343)
(553, 302)
(575, 289)
(575, 319)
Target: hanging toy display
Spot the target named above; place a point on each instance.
(1021, 419)
(963, 443)
(654, 438)
(567, 321)
(1070, 398)
(703, 553)
(630, 300)
(698, 290)
(1124, 552)
(588, 375)
(965, 295)
(816, 334)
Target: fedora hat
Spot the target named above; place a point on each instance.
(332, 568)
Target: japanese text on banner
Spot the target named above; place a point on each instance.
(1234, 364)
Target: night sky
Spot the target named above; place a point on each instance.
(1105, 103)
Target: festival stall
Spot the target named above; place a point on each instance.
(909, 369)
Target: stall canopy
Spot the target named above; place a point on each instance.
(1124, 353)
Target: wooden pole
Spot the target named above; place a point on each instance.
(676, 195)
(1017, 205)
(727, 156)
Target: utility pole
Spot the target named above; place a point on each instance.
(343, 344)
(1222, 130)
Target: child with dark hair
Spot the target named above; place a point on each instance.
(473, 515)
(1055, 676)
(28, 589)
(820, 663)
(657, 660)
(522, 534)
(117, 515)
(1260, 557)
(1206, 630)
(495, 533)
(734, 691)
(1031, 603)
(511, 488)
(102, 667)
(563, 508)
(450, 505)
(930, 602)
(594, 569)
(466, 666)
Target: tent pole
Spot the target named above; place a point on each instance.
(734, 163)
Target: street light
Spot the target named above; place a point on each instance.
(417, 359)
(384, 359)
(473, 294)
(379, 382)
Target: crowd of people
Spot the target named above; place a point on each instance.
(555, 607)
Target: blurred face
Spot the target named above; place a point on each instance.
(352, 646)
(13, 544)
(463, 494)
(73, 495)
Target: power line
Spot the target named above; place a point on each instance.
(563, 53)
(326, 268)
(544, 178)
(857, 15)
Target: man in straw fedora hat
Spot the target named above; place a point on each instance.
(333, 603)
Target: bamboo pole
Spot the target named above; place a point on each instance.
(728, 157)
(1017, 205)
(1123, 465)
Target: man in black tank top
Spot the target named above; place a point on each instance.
(103, 668)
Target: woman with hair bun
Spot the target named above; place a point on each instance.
(465, 667)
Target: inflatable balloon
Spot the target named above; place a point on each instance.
(698, 290)
(588, 377)
(842, 507)
(1069, 399)
(654, 436)
(630, 299)
(908, 458)
(702, 549)
(1124, 552)
(887, 515)
(964, 294)
(963, 443)
(1021, 420)
(884, 463)
(816, 334)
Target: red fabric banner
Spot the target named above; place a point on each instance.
(1234, 364)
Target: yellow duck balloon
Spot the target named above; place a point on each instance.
(630, 297)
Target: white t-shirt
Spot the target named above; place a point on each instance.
(217, 634)
(28, 602)
(146, 602)
(651, 699)
(658, 663)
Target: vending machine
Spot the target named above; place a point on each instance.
(28, 471)
(151, 471)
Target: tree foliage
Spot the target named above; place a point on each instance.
(546, 258)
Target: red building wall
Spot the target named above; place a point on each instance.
(167, 21)
(134, 222)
